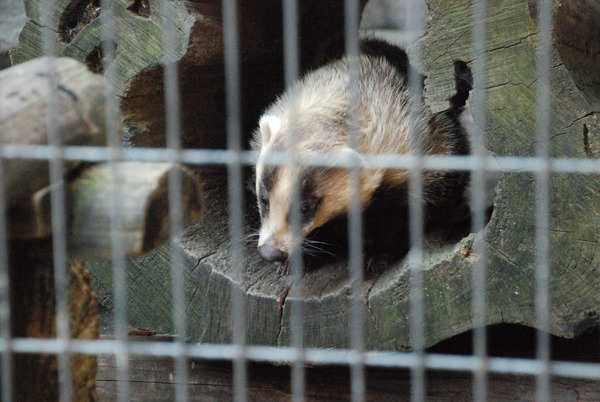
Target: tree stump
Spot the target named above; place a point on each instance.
(510, 131)
(508, 238)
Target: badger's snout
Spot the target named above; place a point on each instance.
(271, 252)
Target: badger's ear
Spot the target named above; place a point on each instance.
(269, 126)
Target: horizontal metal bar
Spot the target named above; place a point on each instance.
(521, 164)
(280, 354)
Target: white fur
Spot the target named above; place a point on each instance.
(269, 125)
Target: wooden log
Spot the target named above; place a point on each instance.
(137, 71)
(508, 239)
(77, 102)
(142, 208)
(151, 378)
(28, 94)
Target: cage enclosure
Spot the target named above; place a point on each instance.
(507, 245)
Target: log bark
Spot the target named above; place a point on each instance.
(508, 239)
(33, 315)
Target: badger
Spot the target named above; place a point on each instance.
(317, 112)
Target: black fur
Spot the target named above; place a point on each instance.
(394, 55)
(463, 79)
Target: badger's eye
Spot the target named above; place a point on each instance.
(308, 207)
(305, 208)
(264, 201)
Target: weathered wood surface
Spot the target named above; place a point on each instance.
(575, 35)
(153, 378)
(75, 99)
(508, 239)
(33, 94)
(30, 96)
(12, 19)
(64, 92)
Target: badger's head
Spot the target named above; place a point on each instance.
(324, 192)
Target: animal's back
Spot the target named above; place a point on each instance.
(322, 99)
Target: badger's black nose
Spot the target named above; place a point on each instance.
(270, 252)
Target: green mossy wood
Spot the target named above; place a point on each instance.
(508, 239)
(510, 128)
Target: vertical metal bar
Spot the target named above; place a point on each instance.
(6, 359)
(542, 190)
(235, 195)
(416, 220)
(295, 298)
(115, 154)
(356, 257)
(173, 125)
(477, 198)
(57, 208)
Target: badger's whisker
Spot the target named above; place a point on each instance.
(313, 247)
(246, 238)
(252, 236)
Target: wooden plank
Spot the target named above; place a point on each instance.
(152, 379)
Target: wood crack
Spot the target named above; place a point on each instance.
(505, 257)
(579, 119)
(281, 309)
(504, 47)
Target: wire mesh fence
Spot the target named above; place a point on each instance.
(357, 348)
